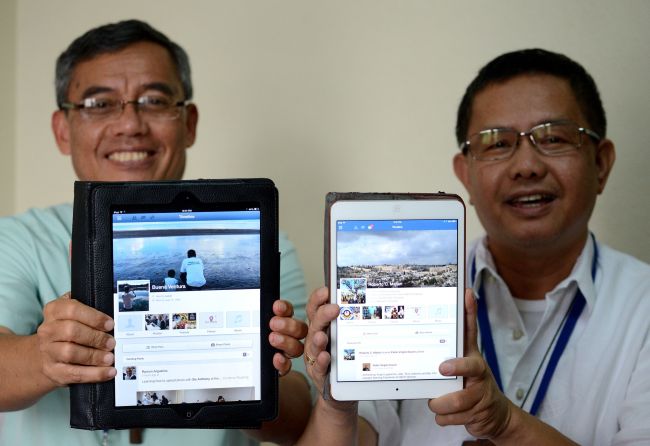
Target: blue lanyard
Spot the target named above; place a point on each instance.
(568, 324)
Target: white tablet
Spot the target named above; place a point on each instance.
(396, 270)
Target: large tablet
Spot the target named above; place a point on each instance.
(396, 270)
(189, 271)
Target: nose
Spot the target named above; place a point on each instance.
(526, 161)
(130, 121)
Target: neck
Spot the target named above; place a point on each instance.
(532, 271)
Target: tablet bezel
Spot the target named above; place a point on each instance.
(420, 207)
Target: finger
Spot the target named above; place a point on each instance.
(291, 347)
(70, 353)
(471, 328)
(468, 367)
(455, 419)
(289, 326)
(281, 364)
(282, 308)
(322, 317)
(319, 368)
(455, 402)
(70, 309)
(317, 298)
(64, 374)
(75, 332)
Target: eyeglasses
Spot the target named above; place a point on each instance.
(551, 139)
(109, 108)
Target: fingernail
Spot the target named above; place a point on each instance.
(112, 372)
(275, 339)
(446, 368)
(108, 358)
(110, 344)
(108, 325)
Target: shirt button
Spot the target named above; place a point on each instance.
(519, 394)
(517, 334)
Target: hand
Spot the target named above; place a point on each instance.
(286, 335)
(320, 313)
(73, 343)
(480, 406)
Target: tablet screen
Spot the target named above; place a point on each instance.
(186, 287)
(397, 291)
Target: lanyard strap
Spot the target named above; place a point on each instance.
(569, 323)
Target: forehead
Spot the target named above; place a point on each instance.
(127, 71)
(523, 102)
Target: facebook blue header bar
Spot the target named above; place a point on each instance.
(396, 225)
(185, 216)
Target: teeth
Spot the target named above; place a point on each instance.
(530, 198)
(125, 157)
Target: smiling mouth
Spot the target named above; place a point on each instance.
(529, 201)
(128, 157)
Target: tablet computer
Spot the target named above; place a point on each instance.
(189, 271)
(396, 270)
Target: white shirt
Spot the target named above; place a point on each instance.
(600, 392)
(193, 266)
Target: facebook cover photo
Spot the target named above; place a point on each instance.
(185, 252)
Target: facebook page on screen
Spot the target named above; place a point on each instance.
(397, 291)
(186, 305)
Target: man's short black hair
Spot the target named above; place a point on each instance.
(191, 253)
(535, 61)
(171, 273)
(115, 37)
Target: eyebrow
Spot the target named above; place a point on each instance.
(537, 123)
(156, 86)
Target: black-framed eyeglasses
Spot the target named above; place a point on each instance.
(550, 138)
(109, 108)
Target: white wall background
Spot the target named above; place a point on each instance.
(343, 95)
(7, 105)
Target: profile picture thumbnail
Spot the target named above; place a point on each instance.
(353, 290)
(129, 373)
(133, 295)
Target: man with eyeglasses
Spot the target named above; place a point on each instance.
(564, 350)
(124, 93)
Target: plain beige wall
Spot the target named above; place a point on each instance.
(347, 95)
(7, 105)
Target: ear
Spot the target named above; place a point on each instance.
(461, 169)
(191, 120)
(61, 130)
(605, 157)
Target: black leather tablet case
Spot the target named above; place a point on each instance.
(92, 406)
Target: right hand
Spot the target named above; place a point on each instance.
(74, 344)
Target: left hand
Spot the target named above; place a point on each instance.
(286, 334)
(481, 407)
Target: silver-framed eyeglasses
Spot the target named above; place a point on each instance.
(110, 108)
(550, 138)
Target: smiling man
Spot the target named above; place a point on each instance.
(123, 92)
(564, 353)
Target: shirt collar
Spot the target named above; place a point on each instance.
(580, 274)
